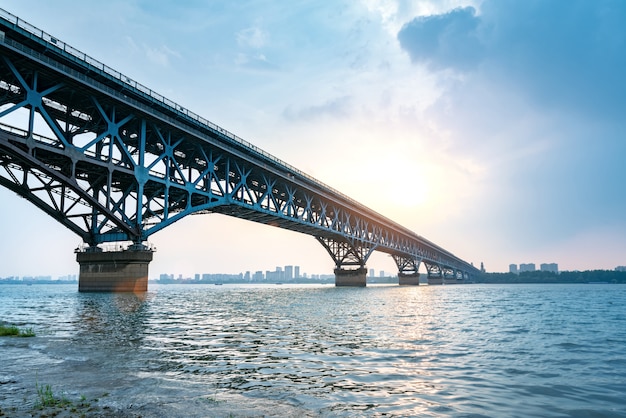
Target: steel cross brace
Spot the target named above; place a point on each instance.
(434, 270)
(406, 265)
(345, 253)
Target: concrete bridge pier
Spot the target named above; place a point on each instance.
(356, 278)
(408, 279)
(435, 280)
(114, 271)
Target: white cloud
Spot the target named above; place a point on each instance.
(160, 55)
(253, 37)
(394, 14)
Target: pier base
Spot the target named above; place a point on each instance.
(412, 279)
(435, 280)
(355, 278)
(114, 271)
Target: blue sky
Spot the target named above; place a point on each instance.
(493, 128)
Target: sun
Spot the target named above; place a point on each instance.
(405, 182)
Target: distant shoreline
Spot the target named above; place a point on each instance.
(545, 277)
(527, 277)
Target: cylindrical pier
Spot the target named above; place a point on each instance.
(114, 271)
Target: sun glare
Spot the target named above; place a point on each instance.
(404, 182)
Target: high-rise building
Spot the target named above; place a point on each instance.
(288, 272)
(382, 273)
(296, 272)
(513, 268)
(372, 273)
(551, 267)
(527, 267)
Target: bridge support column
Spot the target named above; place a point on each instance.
(449, 275)
(355, 278)
(435, 273)
(114, 271)
(435, 280)
(408, 269)
(408, 279)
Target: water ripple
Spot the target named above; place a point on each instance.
(464, 351)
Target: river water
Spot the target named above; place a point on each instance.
(318, 350)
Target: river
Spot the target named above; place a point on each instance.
(317, 350)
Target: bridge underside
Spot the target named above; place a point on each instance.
(114, 161)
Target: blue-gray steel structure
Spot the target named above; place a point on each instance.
(114, 161)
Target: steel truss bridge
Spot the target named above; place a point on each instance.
(114, 161)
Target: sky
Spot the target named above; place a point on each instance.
(494, 128)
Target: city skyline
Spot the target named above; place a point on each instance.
(493, 129)
(261, 275)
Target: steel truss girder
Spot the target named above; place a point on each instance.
(134, 169)
(433, 269)
(448, 273)
(345, 253)
(406, 264)
(128, 163)
(54, 193)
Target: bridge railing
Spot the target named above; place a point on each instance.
(81, 57)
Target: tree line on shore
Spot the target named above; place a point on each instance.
(588, 276)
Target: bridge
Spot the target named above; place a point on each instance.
(116, 162)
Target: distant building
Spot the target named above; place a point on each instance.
(551, 267)
(372, 273)
(513, 269)
(620, 268)
(382, 273)
(288, 272)
(296, 272)
(527, 267)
